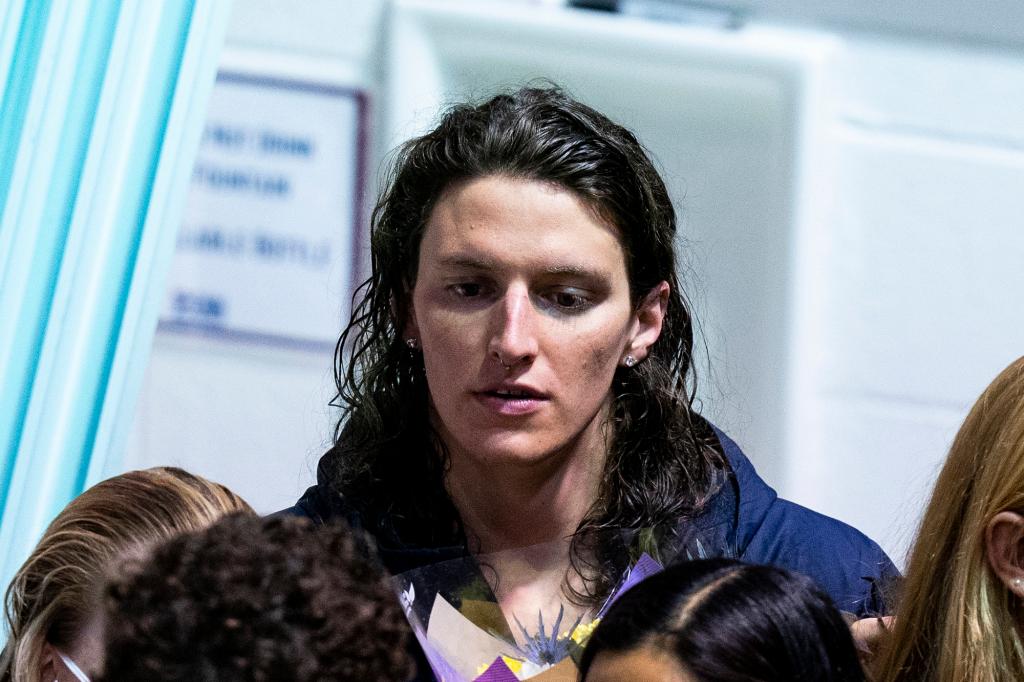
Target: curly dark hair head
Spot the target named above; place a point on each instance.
(387, 461)
(257, 600)
(724, 620)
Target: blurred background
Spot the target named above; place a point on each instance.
(848, 175)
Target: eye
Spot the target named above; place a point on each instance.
(466, 289)
(569, 300)
(471, 292)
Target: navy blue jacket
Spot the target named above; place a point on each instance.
(844, 562)
(745, 519)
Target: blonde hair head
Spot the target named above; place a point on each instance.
(956, 621)
(56, 589)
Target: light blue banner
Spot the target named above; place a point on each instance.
(102, 109)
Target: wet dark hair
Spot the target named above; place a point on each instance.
(387, 462)
(256, 600)
(725, 621)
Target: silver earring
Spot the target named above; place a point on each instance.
(629, 361)
(1018, 583)
(411, 343)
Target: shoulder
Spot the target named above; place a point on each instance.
(851, 567)
(321, 507)
(323, 503)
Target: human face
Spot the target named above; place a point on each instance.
(645, 664)
(523, 310)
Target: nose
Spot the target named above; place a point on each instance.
(513, 340)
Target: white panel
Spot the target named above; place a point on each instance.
(993, 22)
(342, 29)
(943, 90)
(883, 458)
(920, 279)
(253, 419)
(927, 252)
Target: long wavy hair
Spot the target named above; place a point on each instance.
(56, 590)
(955, 619)
(387, 460)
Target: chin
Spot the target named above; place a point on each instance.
(517, 449)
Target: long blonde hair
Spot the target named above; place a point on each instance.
(56, 589)
(956, 621)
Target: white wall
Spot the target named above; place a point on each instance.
(852, 204)
(922, 277)
(253, 418)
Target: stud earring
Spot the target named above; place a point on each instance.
(1018, 583)
(629, 361)
(411, 343)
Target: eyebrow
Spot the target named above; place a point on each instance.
(468, 263)
(489, 265)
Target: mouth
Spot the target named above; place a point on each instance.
(514, 394)
(511, 400)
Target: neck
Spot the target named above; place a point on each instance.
(519, 505)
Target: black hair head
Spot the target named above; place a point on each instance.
(725, 621)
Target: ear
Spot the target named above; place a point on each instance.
(47, 663)
(409, 330)
(1004, 542)
(649, 316)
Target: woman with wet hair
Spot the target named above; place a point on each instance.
(54, 621)
(517, 373)
(719, 619)
(961, 608)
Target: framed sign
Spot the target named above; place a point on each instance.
(267, 251)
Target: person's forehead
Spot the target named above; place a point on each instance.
(640, 663)
(510, 183)
(496, 222)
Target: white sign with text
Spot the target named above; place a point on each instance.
(265, 252)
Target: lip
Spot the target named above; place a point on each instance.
(525, 401)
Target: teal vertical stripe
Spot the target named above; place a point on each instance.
(182, 135)
(54, 222)
(18, 87)
(136, 191)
